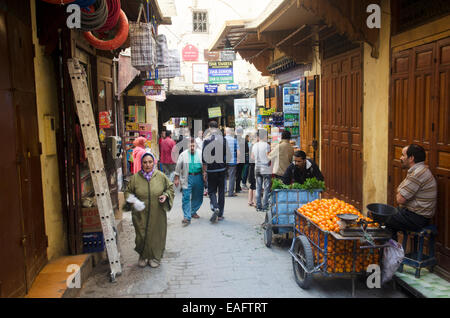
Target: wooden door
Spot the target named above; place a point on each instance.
(419, 113)
(342, 127)
(23, 240)
(106, 103)
(309, 117)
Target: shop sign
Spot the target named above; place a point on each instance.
(104, 120)
(244, 112)
(199, 73)
(214, 112)
(211, 55)
(232, 87)
(228, 55)
(211, 88)
(220, 72)
(190, 53)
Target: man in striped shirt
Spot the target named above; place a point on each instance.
(417, 193)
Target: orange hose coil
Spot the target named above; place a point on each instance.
(119, 39)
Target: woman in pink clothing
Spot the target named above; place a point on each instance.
(138, 152)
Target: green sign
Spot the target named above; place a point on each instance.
(220, 72)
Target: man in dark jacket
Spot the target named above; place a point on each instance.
(215, 165)
(301, 169)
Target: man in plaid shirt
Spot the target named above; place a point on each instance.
(417, 193)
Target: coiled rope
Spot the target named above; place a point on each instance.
(113, 15)
(94, 20)
(84, 3)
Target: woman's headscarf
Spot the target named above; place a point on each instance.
(148, 175)
(138, 151)
(140, 142)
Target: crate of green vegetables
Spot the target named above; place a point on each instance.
(288, 198)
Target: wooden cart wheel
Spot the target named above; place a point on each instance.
(268, 229)
(303, 251)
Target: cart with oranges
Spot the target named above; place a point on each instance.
(324, 243)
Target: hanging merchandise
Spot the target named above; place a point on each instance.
(162, 52)
(94, 20)
(119, 39)
(59, 1)
(143, 45)
(152, 87)
(113, 15)
(173, 70)
(84, 3)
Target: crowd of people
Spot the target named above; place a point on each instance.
(213, 164)
(219, 166)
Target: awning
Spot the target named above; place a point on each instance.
(131, 9)
(294, 26)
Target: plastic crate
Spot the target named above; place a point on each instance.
(286, 201)
(93, 242)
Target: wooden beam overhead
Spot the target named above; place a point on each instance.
(308, 36)
(291, 35)
(274, 17)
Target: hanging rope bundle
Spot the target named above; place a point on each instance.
(119, 39)
(94, 20)
(113, 15)
(59, 1)
(84, 3)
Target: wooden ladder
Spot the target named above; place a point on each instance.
(96, 166)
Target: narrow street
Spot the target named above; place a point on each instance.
(222, 260)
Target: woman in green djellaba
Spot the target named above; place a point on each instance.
(150, 194)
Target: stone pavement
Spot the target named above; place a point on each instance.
(222, 260)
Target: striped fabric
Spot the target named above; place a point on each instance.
(174, 68)
(162, 52)
(143, 46)
(420, 190)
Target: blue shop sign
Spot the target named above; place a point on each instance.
(211, 88)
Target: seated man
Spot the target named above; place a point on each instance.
(416, 195)
(301, 169)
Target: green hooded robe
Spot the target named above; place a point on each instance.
(151, 231)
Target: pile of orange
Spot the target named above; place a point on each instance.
(324, 213)
(342, 256)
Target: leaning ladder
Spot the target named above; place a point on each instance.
(96, 166)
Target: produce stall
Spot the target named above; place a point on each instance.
(285, 199)
(328, 240)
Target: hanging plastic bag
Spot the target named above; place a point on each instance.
(392, 258)
(162, 52)
(173, 69)
(143, 45)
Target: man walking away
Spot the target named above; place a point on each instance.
(241, 158)
(281, 155)
(214, 162)
(166, 147)
(263, 170)
(189, 171)
(232, 155)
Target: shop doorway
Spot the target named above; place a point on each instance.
(341, 117)
(23, 243)
(420, 114)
